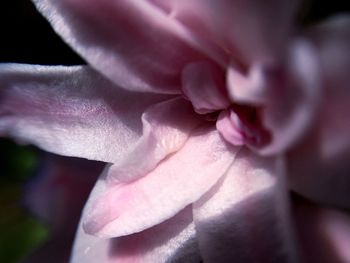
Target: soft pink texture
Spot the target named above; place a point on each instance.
(204, 85)
(288, 95)
(223, 68)
(71, 111)
(126, 208)
(174, 239)
(118, 39)
(240, 27)
(166, 127)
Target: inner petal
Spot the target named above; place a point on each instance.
(203, 83)
(241, 124)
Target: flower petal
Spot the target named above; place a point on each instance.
(323, 233)
(245, 217)
(131, 42)
(125, 208)
(171, 241)
(241, 27)
(70, 111)
(319, 166)
(166, 127)
(288, 95)
(204, 85)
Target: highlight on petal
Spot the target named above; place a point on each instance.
(245, 216)
(174, 240)
(323, 233)
(241, 27)
(125, 208)
(71, 111)
(166, 127)
(203, 83)
(131, 42)
(319, 166)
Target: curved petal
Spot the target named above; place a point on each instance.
(204, 85)
(171, 241)
(131, 42)
(166, 127)
(288, 95)
(241, 27)
(245, 217)
(319, 166)
(125, 208)
(70, 111)
(323, 233)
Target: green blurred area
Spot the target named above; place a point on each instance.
(20, 233)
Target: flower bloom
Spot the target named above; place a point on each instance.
(209, 113)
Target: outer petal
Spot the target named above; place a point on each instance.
(320, 164)
(171, 241)
(125, 208)
(131, 42)
(74, 111)
(245, 217)
(323, 233)
(241, 27)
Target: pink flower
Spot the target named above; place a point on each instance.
(210, 113)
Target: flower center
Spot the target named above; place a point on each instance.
(250, 125)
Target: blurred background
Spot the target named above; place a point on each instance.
(41, 195)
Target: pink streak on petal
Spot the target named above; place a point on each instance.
(71, 111)
(122, 209)
(203, 84)
(245, 216)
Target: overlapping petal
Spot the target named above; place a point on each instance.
(74, 111)
(166, 127)
(286, 95)
(248, 30)
(171, 241)
(203, 83)
(71, 111)
(319, 165)
(245, 217)
(125, 208)
(131, 42)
